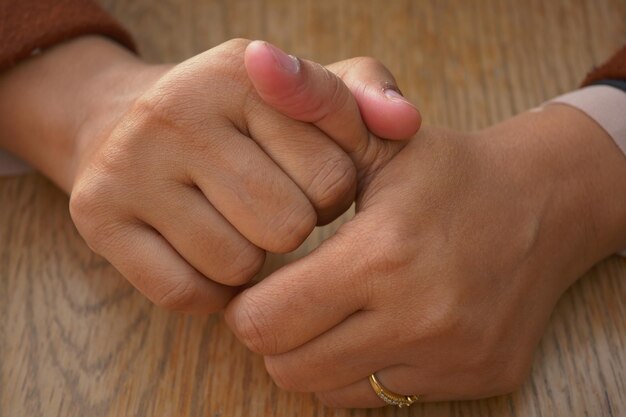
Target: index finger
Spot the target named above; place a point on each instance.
(303, 299)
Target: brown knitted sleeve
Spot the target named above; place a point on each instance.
(29, 25)
(614, 68)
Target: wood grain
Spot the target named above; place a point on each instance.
(77, 340)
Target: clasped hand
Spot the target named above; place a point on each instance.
(184, 176)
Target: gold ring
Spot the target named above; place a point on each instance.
(391, 397)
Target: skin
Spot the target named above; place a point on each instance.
(180, 175)
(444, 281)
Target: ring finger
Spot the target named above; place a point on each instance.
(426, 382)
(398, 379)
(202, 236)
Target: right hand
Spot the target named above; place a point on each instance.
(176, 195)
(443, 282)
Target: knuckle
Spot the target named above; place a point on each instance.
(355, 61)
(350, 69)
(82, 206)
(88, 210)
(230, 56)
(251, 327)
(442, 320)
(335, 179)
(290, 227)
(176, 296)
(159, 109)
(244, 265)
(283, 375)
(368, 62)
(171, 106)
(236, 44)
(390, 250)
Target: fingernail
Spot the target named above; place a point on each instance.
(393, 93)
(289, 63)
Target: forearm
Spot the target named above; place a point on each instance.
(50, 103)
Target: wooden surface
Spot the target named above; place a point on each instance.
(77, 340)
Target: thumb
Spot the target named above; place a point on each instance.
(385, 111)
(306, 91)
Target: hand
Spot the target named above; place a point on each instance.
(444, 281)
(164, 179)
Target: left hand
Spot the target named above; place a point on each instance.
(180, 175)
(445, 279)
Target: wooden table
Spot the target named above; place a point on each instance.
(77, 340)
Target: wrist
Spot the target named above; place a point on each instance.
(111, 93)
(575, 175)
(48, 101)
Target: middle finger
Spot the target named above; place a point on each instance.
(322, 170)
(251, 191)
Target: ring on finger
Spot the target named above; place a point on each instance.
(390, 397)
